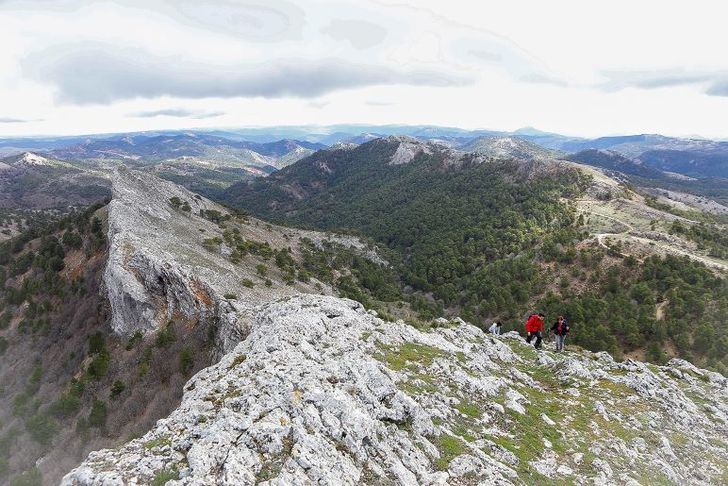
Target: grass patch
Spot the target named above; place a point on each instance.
(159, 442)
(409, 355)
(468, 408)
(162, 477)
(449, 447)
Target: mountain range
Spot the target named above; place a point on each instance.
(691, 156)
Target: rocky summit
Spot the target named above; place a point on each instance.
(322, 391)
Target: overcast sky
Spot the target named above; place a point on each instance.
(581, 68)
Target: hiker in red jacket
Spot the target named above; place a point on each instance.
(534, 327)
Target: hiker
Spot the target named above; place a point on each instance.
(495, 328)
(534, 327)
(560, 329)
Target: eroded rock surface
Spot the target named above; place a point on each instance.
(323, 392)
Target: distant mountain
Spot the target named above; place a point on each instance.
(611, 160)
(350, 170)
(439, 209)
(280, 146)
(692, 157)
(34, 181)
(713, 163)
(509, 147)
(211, 148)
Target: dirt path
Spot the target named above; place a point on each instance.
(646, 241)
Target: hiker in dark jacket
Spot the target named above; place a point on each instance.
(534, 327)
(560, 330)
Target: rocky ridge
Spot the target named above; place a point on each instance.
(322, 391)
(170, 262)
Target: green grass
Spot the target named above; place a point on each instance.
(468, 408)
(449, 447)
(162, 477)
(525, 351)
(409, 355)
(160, 442)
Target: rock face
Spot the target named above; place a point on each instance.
(323, 392)
(171, 261)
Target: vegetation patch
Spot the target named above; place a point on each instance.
(449, 448)
(162, 477)
(409, 355)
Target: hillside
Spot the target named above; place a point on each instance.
(33, 181)
(706, 193)
(614, 161)
(494, 239)
(323, 392)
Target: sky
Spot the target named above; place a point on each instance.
(573, 67)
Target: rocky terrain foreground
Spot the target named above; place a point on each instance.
(322, 391)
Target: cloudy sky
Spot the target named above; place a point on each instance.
(574, 67)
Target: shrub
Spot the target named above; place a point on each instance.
(22, 405)
(117, 388)
(34, 380)
(71, 239)
(304, 276)
(3, 345)
(41, 428)
(164, 476)
(99, 366)
(230, 296)
(96, 342)
(268, 283)
(66, 406)
(248, 283)
(77, 387)
(165, 336)
(5, 320)
(31, 477)
(97, 416)
(261, 269)
(186, 360)
(175, 202)
(135, 339)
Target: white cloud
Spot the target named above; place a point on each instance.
(177, 113)
(576, 67)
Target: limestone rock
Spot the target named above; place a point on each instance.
(320, 391)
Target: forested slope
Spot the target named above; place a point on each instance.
(491, 239)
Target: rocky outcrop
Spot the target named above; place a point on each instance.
(169, 259)
(323, 392)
